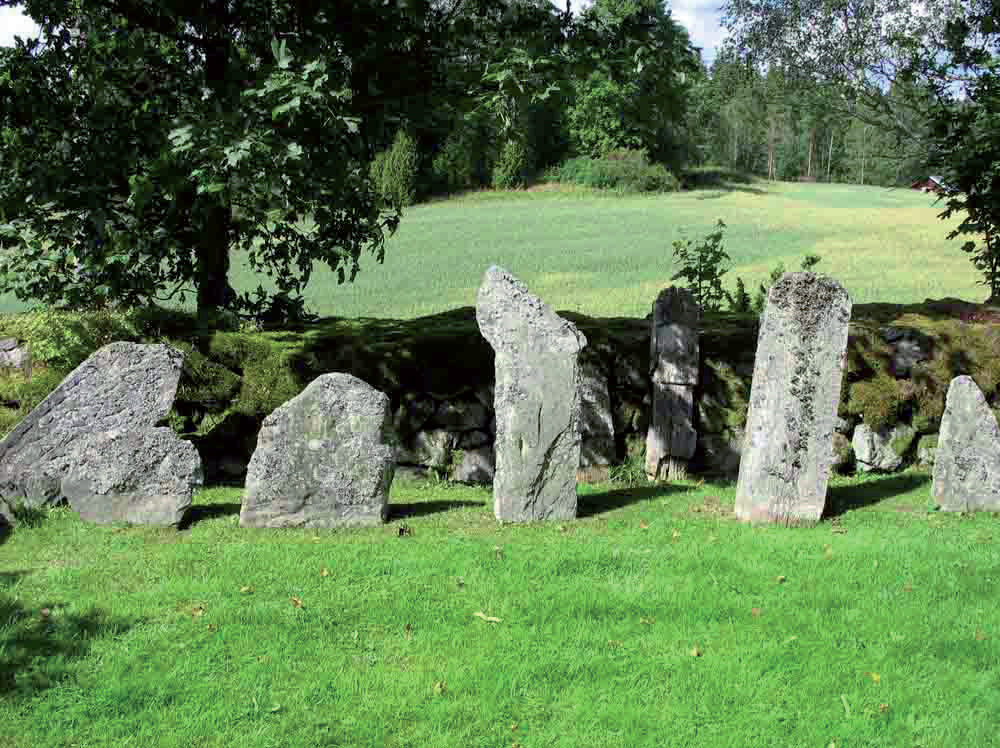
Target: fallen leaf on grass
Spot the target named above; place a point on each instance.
(275, 708)
(499, 552)
(440, 688)
(780, 579)
(907, 587)
(324, 572)
(876, 678)
(212, 627)
(264, 659)
(828, 552)
(488, 619)
(408, 631)
(643, 524)
(755, 612)
(615, 643)
(847, 709)
(711, 539)
(883, 708)
(561, 528)
(45, 612)
(981, 635)
(513, 726)
(695, 651)
(197, 611)
(790, 639)
(676, 535)
(296, 602)
(404, 531)
(247, 589)
(648, 621)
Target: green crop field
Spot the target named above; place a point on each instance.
(652, 620)
(606, 255)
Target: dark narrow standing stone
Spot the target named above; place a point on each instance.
(788, 447)
(537, 400)
(673, 361)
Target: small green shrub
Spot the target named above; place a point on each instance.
(625, 171)
(512, 167)
(454, 165)
(703, 266)
(394, 171)
(879, 400)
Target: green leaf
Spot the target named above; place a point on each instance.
(294, 151)
(294, 103)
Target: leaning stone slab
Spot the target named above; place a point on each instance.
(122, 385)
(967, 459)
(673, 361)
(788, 447)
(326, 458)
(536, 400)
(141, 476)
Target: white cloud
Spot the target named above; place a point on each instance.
(13, 23)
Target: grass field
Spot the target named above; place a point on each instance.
(653, 620)
(608, 256)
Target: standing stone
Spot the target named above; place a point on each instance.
(788, 447)
(673, 364)
(142, 476)
(121, 386)
(536, 401)
(326, 458)
(967, 460)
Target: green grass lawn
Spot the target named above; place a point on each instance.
(606, 255)
(879, 627)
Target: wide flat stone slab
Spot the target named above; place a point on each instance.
(122, 385)
(967, 458)
(141, 476)
(326, 458)
(788, 445)
(536, 400)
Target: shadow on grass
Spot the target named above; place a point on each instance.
(591, 504)
(207, 511)
(842, 499)
(39, 644)
(722, 180)
(423, 508)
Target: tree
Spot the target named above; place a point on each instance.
(143, 140)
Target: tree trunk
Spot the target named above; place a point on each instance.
(829, 158)
(809, 162)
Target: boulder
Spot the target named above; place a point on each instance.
(537, 401)
(597, 430)
(967, 462)
(325, 458)
(142, 476)
(843, 453)
(907, 348)
(122, 385)
(476, 466)
(673, 362)
(801, 353)
(882, 450)
(927, 450)
(429, 448)
(13, 356)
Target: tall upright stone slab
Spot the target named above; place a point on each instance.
(121, 386)
(326, 458)
(967, 462)
(673, 364)
(788, 444)
(536, 400)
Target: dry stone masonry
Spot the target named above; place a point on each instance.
(537, 400)
(326, 458)
(673, 361)
(118, 394)
(788, 448)
(967, 462)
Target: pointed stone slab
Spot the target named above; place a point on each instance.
(122, 385)
(536, 400)
(967, 462)
(673, 361)
(788, 445)
(326, 458)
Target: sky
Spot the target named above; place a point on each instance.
(699, 17)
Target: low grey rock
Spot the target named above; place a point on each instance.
(141, 476)
(908, 347)
(967, 462)
(122, 385)
(927, 450)
(476, 466)
(325, 458)
(15, 357)
(882, 450)
(537, 403)
(429, 448)
(7, 344)
(845, 426)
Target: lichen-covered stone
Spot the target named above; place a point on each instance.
(431, 448)
(142, 476)
(788, 449)
(475, 466)
(673, 361)
(537, 402)
(967, 462)
(325, 458)
(927, 450)
(122, 385)
(882, 449)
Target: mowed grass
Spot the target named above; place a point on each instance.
(605, 255)
(654, 619)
